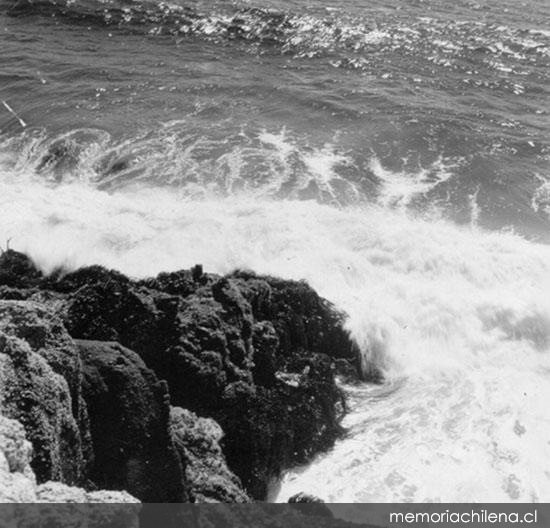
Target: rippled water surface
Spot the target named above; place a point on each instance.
(393, 153)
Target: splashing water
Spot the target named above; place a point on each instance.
(341, 145)
(458, 319)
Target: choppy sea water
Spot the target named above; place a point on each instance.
(393, 153)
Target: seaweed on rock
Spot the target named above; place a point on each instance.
(255, 354)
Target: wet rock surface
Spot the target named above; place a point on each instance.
(129, 417)
(18, 271)
(255, 354)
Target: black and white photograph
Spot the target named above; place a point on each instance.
(289, 255)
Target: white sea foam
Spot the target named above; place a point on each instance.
(400, 188)
(319, 165)
(458, 319)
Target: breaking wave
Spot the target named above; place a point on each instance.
(457, 317)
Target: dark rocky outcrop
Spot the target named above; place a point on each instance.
(275, 428)
(117, 435)
(17, 270)
(302, 319)
(96, 416)
(129, 416)
(255, 357)
(256, 354)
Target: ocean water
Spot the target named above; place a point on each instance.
(393, 153)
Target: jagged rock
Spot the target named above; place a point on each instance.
(111, 310)
(254, 353)
(31, 392)
(89, 276)
(181, 283)
(212, 348)
(17, 270)
(129, 416)
(302, 319)
(44, 332)
(46, 335)
(279, 427)
(208, 478)
(104, 305)
(122, 393)
(224, 345)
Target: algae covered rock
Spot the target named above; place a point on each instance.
(17, 270)
(255, 354)
(303, 320)
(129, 416)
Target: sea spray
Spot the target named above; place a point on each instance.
(457, 318)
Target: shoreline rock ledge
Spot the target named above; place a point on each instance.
(184, 387)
